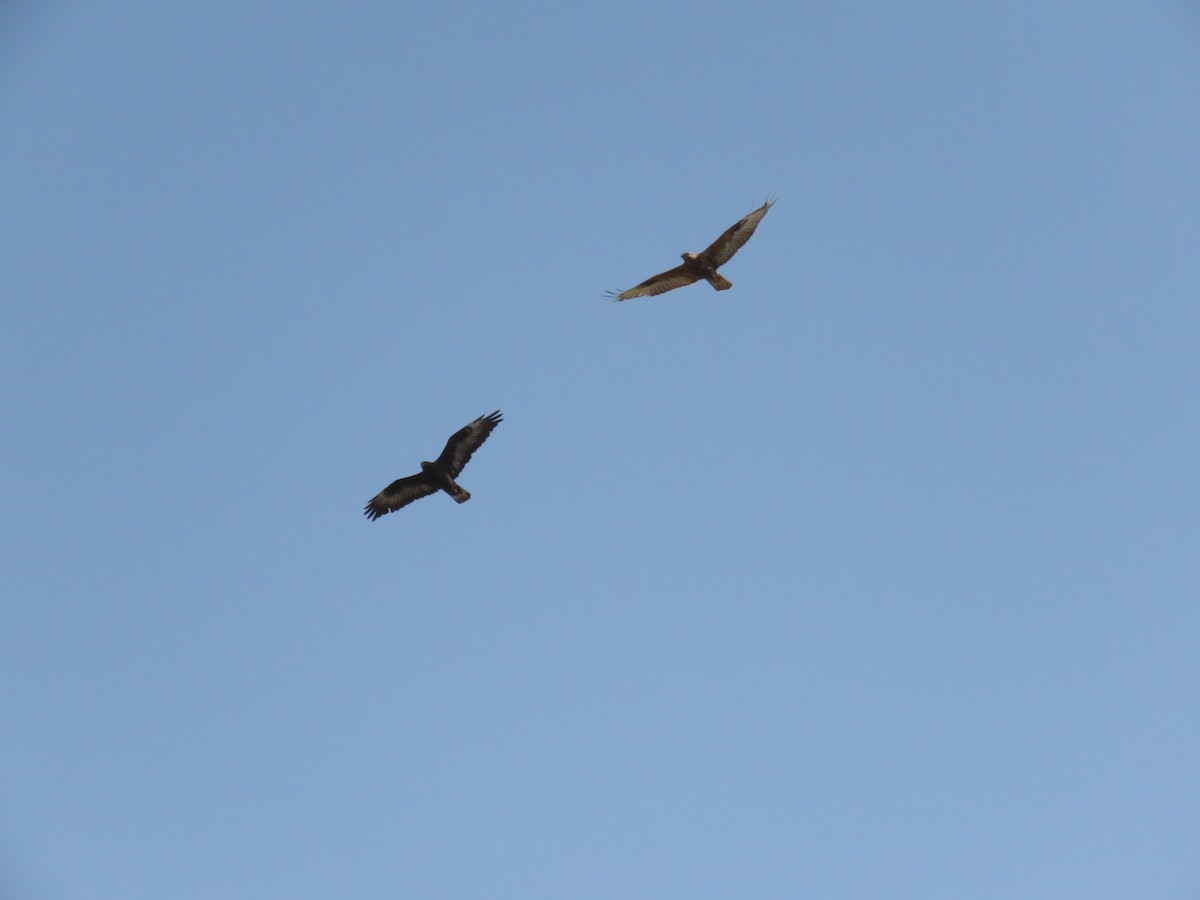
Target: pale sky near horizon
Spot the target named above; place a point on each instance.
(873, 576)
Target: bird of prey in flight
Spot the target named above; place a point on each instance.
(701, 265)
(438, 475)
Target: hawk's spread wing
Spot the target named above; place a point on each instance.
(722, 249)
(659, 284)
(466, 441)
(400, 492)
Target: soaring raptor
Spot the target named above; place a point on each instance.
(438, 475)
(701, 265)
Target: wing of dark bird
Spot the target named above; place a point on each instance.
(400, 492)
(734, 239)
(465, 442)
(659, 284)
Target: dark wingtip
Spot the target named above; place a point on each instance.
(614, 296)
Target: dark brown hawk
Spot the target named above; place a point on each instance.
(701, 265)
(438, 475)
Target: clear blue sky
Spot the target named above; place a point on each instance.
(876, 576)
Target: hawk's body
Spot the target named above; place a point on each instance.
(438, 475)
(702, 265)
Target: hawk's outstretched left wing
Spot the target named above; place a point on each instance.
(734, 239)
(466, 441)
